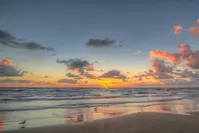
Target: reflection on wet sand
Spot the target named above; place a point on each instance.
(97, 113)
(177, 107)
(2, 126)
(2, 123)
(89, 114)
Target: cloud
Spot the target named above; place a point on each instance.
(15, 81)
(185, 50)
(6, 39)
(154, 76)
(5, 62)
(181, 69)
(160, 67)
(197, 21)
(106, 42)
(90, 68)
(194, 30)
(68, 81)
(164, 54)
(175, 82)
(34, 46)
(71, 75)
(90, 76)
(77, 65)
(114, 74)
(187, 74)
(186, 54)
(190, 56)
(177, 29)
(193, 60)
(163, 76)
(7, 69)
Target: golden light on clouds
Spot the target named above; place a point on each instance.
(6, 62)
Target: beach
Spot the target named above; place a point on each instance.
(131, 123)
(51, 107)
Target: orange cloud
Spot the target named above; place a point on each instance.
(8, 70)
(184, 47)
(186, 54)
(164, 54)
(159, 66)
(177, 30)
(197, 21)
(194, 30)
(5, 62)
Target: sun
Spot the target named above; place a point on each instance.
(106, 83)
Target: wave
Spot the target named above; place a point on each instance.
(80, 105)
(21, 99)
(48, 98)
(24, 95)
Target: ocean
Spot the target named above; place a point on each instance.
(52, 106)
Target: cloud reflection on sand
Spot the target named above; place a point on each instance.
(2, 124)
(175, 107)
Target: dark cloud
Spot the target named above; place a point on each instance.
(160, 66)
(68, 81)
(77, 65)
(6, 35)
(153, 74)
(163, 76)
(34, 46)
(71, 75)
(189, 55)
(192, 82)
(114, 74)
(145, 74)
(95, 62)
(7, 69)
(90, 76)
(15, 81)
(90, 68)
(186, 74)
(9, 40)
(106, 42)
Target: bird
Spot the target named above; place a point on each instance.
(23, 122)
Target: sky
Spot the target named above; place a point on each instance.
(103, 44)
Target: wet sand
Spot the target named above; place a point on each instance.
(133, 123)
(194, 113)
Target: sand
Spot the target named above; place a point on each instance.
(194, 113)
(133, 123)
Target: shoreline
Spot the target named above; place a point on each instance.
(150, 122)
